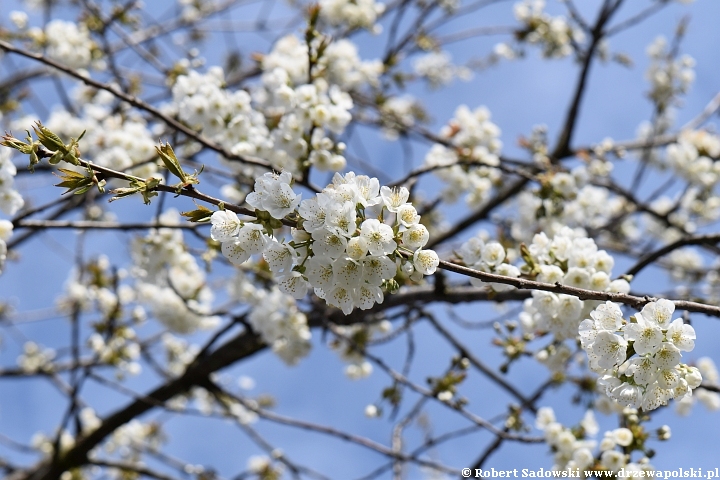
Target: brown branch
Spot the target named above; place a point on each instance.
(562, 148)
(509, 192)
(479, 365)
(710, 109)
(18, 79)
(635, 19)
(581, 293)
(399, 378)
(167, 27)
(521, 283)
(137, 103)
(314, 427)
(497, 443)
(709, 239)
(242, 346)
(95, 225)
(130, 467)
(475, 32)
(187, 191)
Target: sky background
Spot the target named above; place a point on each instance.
(520, 94)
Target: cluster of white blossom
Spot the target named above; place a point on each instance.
(180, 312)
(46, 444)
(399, 113)
(19, 19)
(504, 50)
(437, 68)
(209, 404)
(554, 34)
(710, 399)
(694, 155)
(352, 13)
(121, 350)
(134, 437)
(569, 258)
(310, 109)
(95, 286)
(466, 162)
(314, 105)
(342, 247)
(92, 287)
(340, 63)
(698, 206)
(170, 281)
(35, 358)
(711, 286)
(67, 42)
(10, 200)
(224, 116)
(684, 265)
(264, 467)
(353, 338)
(193, 10)
(275, 316)
(657, 228)
(639, 360)
(488, 257)
(289, 120)
(179, 353)
(120, 140)
(568, 199)
(574, 451)
(668, 76)
(6, 228)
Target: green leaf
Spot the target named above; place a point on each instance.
(143, 187)
(171, 162)
(48, 138)
(27, 148)
(73, 180)
(202, 214)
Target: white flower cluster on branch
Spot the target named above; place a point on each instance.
(669, 77)
(10, 200)
(69, 43)
(569, 258)
(290, 120)
(353, 13)
(115, 136)
(276, 317)
(466, 162)
(568, 199)
(437, 68)
(554, 34)
(639, 359)
(574, 448)
(710, 399)
(170, 281)
(342, 248)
